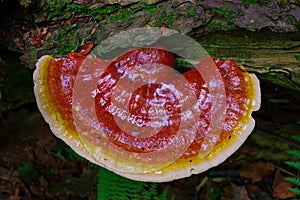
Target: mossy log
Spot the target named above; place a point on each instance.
(264, 37)
(273, 56)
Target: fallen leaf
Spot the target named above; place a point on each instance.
(257, 171)
(234, 192)
(280, 187)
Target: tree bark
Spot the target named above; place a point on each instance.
(262, 36)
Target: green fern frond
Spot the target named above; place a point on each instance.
(151, 189)
(294, 164)
(113, 186)
(65, 153)
(296, 137)
(295, 153)
(164, 195)
(295, 190)
(72, 155)
(294, 180)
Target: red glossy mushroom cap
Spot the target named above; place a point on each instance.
(127, 153)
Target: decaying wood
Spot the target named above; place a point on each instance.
(262, 36)
(274, 56)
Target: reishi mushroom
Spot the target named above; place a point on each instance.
(54, 86)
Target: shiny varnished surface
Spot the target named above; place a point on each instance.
(61, 77)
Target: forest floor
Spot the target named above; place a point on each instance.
(33, 164)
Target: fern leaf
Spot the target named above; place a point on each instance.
(164, 195)
(295, 190)
(113, 186)
(296, 137)
(74, 156)
(294, 180)
(295, 153)
(103, 186)
(294, 164)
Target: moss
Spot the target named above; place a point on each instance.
(149, 8)
(282, 3)
(223, 19)
(159, 18)
(67, 38)
(101, 12)
(78, 9)
(247, 48)
(192, 11)
(214, 26)
(54, 8)
(297, 24)
(218, 11)
(169, 20)
(247, 3)
(281, 79)
(122, 14)
(170, 17)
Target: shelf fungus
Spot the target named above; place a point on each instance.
(137, 116)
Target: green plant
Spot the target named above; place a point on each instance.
(99, 12)
(223, 19)
(122, 14)
(149, 7)
(248, 2)
(219, 11)
(67, 38)
(192, 11)
(74, 156)
(113, 186)
(282, 3)
(215, 193)
(169, 20)
(27, 171)
(294, 164)
(54, 8)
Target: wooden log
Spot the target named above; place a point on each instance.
(274, 56)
